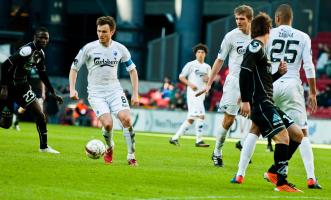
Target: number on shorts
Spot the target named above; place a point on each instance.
(123, 99)
(287, 118)
(29, 96)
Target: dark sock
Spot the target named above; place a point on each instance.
(292, 148)
(42, 137)
(281, 162)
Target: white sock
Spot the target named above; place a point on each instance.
(246, 153)
(199, 125)
(108, 137)
(129, 139)
(182, 129)
(246, 123)
(220, 139)
(307, 156)
(243, 138)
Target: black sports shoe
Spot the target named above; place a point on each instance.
(218, 162)
(201, 144)
(174, 142)
(238, 145)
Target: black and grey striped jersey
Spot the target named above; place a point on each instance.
(256, 76)
(23, 61)
(17, 68)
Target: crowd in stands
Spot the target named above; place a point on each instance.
(323, 66)
(172, 96)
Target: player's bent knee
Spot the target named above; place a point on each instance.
(295, 133)
(282, 137)
(126, 121)
(108, 126)
(228, 121)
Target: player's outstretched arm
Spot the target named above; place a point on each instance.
(72, 84)
(44, 78)
(135, 83)
(214, 71)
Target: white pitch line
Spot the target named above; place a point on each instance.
(232, 197)
(317, 146)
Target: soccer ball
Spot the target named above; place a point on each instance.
(95, 149)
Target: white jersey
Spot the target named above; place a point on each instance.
(195, 71)
(234, 44)
(102, 65)
(293, 46)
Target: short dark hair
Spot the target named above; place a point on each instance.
(244, 10)
(285, 13)
(106, 20)
(261, 25)
(40, 29)
(200, 46)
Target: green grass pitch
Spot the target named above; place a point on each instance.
(164, 171)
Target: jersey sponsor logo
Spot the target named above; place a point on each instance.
(199, 73)
(34, 59)
(241, 50)
(105, 62)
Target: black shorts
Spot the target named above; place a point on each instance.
(22, 94)
(269, 118)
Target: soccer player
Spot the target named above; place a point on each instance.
(293, 46)
(15, 86)
(268, 120)
(233, 44)
(105, 94)
(195, 75)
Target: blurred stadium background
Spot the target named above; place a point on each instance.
(160, 35)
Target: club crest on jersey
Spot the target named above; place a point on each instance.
(241, 50)
(254, 46)
(105, 62)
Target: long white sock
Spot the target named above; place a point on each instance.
(182, 129)
(246, 126)
(307, 157)
(130, 142)
(220, 139)
(246, 153)
(199, 125)
(108, 136)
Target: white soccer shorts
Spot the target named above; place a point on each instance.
(114, 102)
(289, 97)
(231, 94)
(195, 107)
